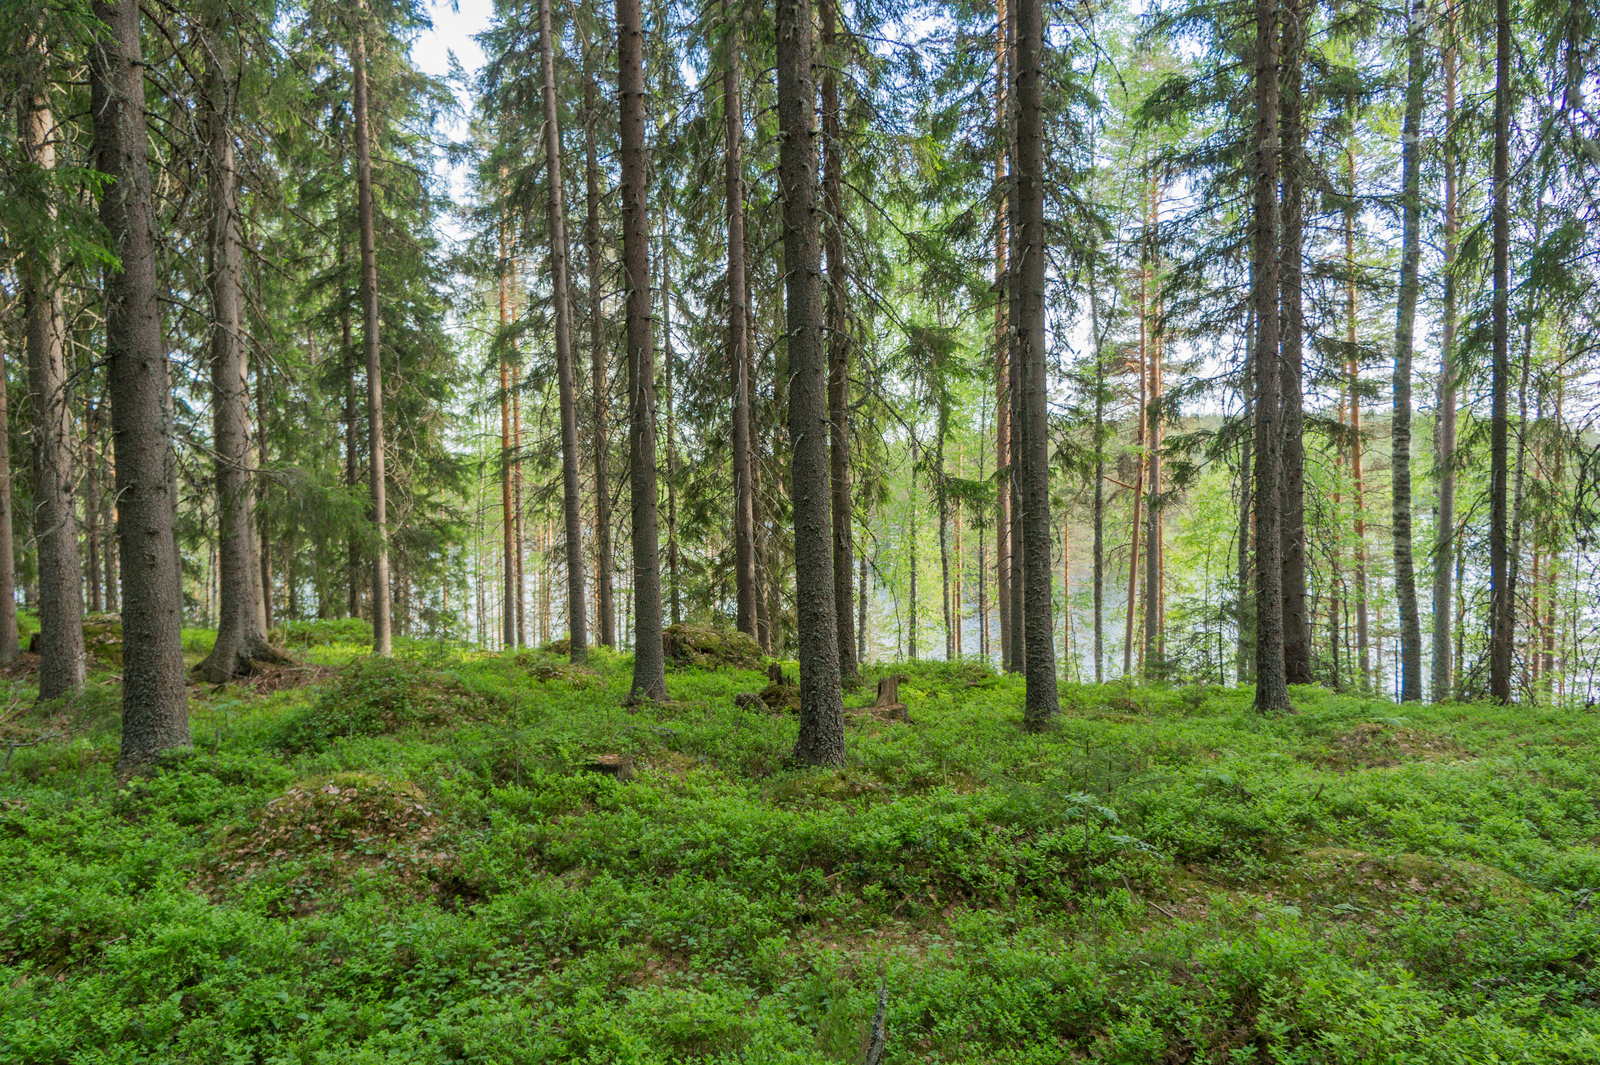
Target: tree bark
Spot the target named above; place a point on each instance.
(55, 526)
(821, 738)
(1272, 693)
(9, 642)
(1042, 700)
(605, 581)
(1098, 339)
(1002, 335)
(1444, 439)
(1296, 622)
(241, 638)
(566, 387)
(744, 570)
(649, 665)
(155, 713)
(1405, 583)
(1018, 644)
(838, 347)
(1363, 653)
(381, 620)
(1501, 608)
(91, 509)
(674, 590)
(508, 626)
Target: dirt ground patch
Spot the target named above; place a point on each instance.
(1375, 746)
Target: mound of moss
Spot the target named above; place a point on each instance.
(382, 694)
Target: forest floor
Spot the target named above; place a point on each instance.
(415, 860)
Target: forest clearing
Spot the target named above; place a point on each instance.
(1029, 531)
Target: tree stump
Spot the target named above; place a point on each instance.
(775, 675)
(616, 766)
(888, 691)
(889, 707)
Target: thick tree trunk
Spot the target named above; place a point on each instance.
(1296, 622)
(241, 639)
(381, 642)
(1444, 437)
(55, 525)
(9, 643)
(1272, 693)
(1042, 700)
(744, 568)
(838, 347)
(649, 665)
(1501, 607)
(155, 713)
(566, 386)
(1405, 583)
(821, 739)
(599, 375)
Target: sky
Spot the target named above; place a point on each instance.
(454, 24)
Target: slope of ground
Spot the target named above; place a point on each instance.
(417, 861)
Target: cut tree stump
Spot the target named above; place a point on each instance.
(618, 767)
(775, 675)
(889, 707)
(888, 691)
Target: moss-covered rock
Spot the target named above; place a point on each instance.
(704, 647)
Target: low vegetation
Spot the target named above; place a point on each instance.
(415, 860)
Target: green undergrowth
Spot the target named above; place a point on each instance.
(413, 860)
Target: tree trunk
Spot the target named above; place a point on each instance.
(744, 570)
(911, 609)
(1002, 335)
(1245, 646)
(675, 591)
(1042, 700)
(1272, 693)
(1138, 488)
(352, 467)
(1019, 429)
(241, 640)
(55, 526)
(1444, 438)
(1097, 337)
(1296, 623)
(649, 665)
(566, 387)
(606, 621)
(9, 643)
(155, 713)
(381, 620)
(821, 739)
(508, 628)
(91, 509)
(1405, 584)
(838, 347)
(1501, 608)
(1363, 653)
(1150, 658)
